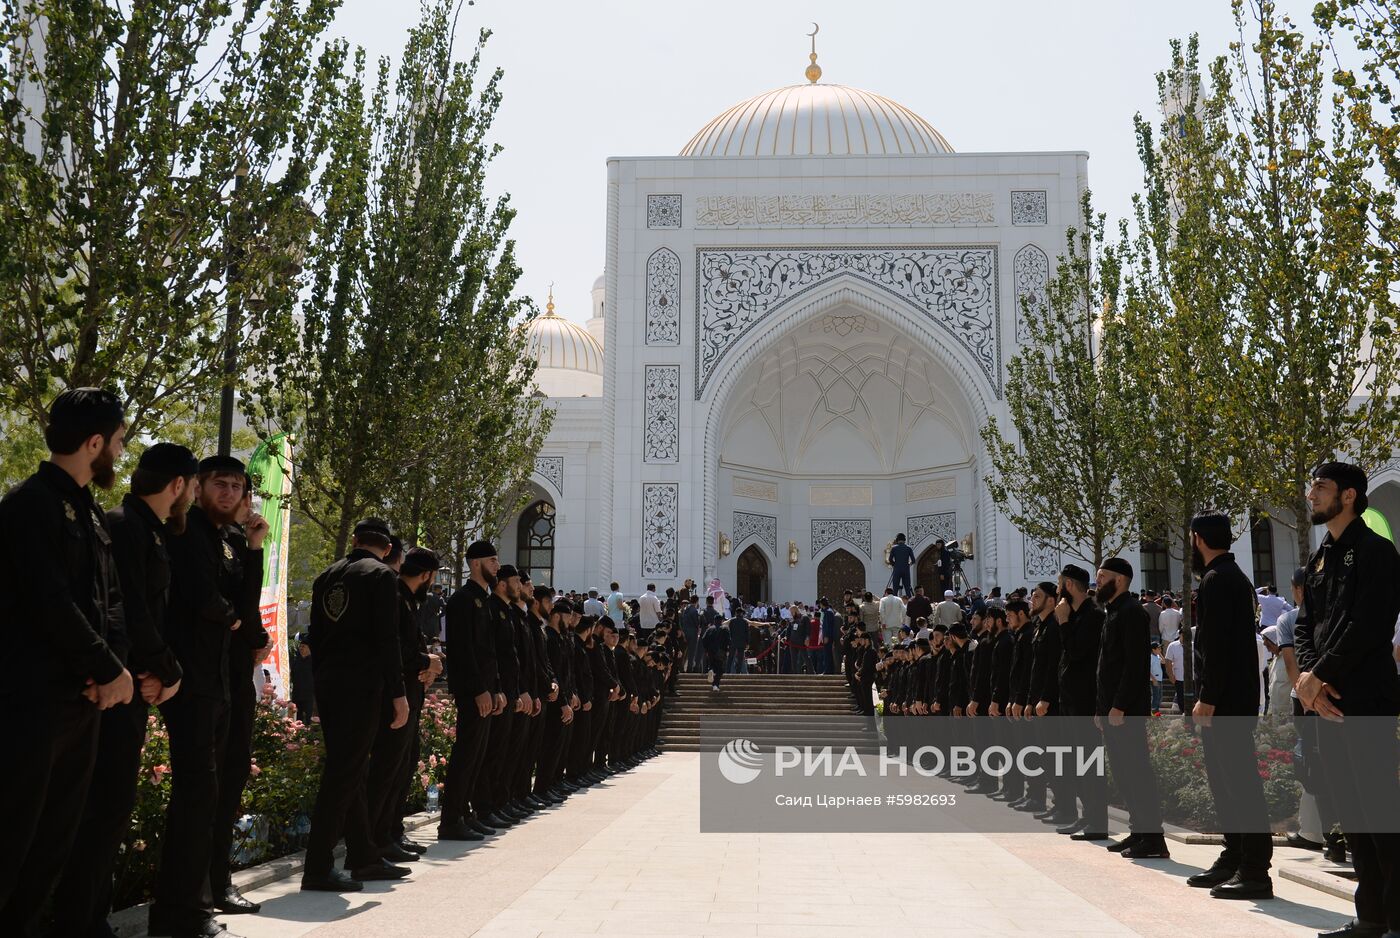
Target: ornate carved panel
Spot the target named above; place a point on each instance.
(552, 469)
(944, 487)
(661, 431)
(854, 496)
(762, 527)
(1029, 207)
(845, 325)
(753, 488)
(826, 530)
(1042, 560)
(1031, 270)
(954, 287)
(921, 528)
(845, 211)
(663, 211)
(663, 298)
(660, 511)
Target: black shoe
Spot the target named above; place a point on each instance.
(1031, 807)
(1073, 827)
(982, 790)
(233, 903)
(333, 881)
(1148, 848)
(497, 820)
(380, 871)
(1125, 843)
(1336, 849)
(205, 929)
(1209, 879)
(1014, 805)
(457, 830)
(515, 812)
(396, 854)
(1051, 814)
(1296, 839)
(1090, 835)
(1238, 888)
(479, 827)
(1003, 796)
(412, 846)
(541, 801)
(1355, 929)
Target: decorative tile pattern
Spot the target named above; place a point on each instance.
(1031, 270)
(753, 488)
(663, 211)
(921, 528)
(762, 527)
(552, 469)
(945, 487)
(845, 211)
(850, 496)
(954, 287)
(663, 298)
(1029, 207)
(661, 429)
(1042, 560)
(827, 530)
(845, 325)
(660, 510)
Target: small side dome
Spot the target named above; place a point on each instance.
(569, 361)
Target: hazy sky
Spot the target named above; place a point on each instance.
(588, 80)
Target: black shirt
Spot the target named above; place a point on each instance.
(1227, 655)
(1079, 656)
(1045, 668)
(1124, 671)
(354, 624)
(471, 647)
(1021, 666)
(204, 597)
(143, 565)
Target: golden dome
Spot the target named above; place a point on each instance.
(817, 120)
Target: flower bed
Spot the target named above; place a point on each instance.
(278, 798)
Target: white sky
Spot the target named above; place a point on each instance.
(589, 80)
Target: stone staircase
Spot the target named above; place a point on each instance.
(768, 709)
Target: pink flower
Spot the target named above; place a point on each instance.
(433, 760)
(316, 719)
(159, 772)
(424, 780)
(254, 769)
(293, 747)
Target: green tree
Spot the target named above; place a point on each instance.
(1316, 327)
(407, 361)
(124, 132)
(1060, 478)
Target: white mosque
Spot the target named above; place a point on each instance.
(806, 317)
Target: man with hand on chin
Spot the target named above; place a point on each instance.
(1343, 640)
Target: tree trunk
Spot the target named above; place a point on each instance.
(1302, 528)
(1188, 619)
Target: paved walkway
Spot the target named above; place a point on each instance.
(627, 858)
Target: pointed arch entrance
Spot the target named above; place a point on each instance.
(535, 542)
(839, 571)
(927, 574)
(753, 575)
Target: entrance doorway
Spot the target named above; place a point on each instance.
(927, 575)
(753, 575)
(839, 571)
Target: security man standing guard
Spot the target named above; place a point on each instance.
(1227, 708)
(62, 620)
(161, 488)
(1350, 603)
(1081, 627)
(354, 617)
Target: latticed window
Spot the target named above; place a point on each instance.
(1261, 547)
(1156, 573)
(536, 539)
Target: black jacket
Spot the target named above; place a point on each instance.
(1079, 657)
(205, 597)
(1003, 647)
(251, 636)
(143, 566)
(413, 647)
(582, 669)
(501, 623)
(1045, 668)
(1350, 601)
(470, 645)
(1021, 666)
(981, 685)
(1124, 672)
(355, 625)
(62, 610)
(559, 652)
(1227, 654)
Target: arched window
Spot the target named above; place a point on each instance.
(535, 540)
(1261, 547)
(1156, 571)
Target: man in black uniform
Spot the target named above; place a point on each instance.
(607, 691)
(1045, 695)
(1003, 651)
(1081, 626)
(207, 606)
(559, 711)
(247, 648)
(1227, 688)
(864, 663)
(979, 704)
(1018, 614)
(392, 764)
(1123, 701)
(354, 634)
(161, 487)
(1350, 602)
(474, 681)
(579, 766)
(63, 620)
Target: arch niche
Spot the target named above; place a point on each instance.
(753, 580)
(927, 574)
(839, 571)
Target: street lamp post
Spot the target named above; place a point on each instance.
(234, 312)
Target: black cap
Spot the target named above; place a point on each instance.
(420, 560)
(506, 572)
(374, 526)
(480, 550)
(544, 592)
(1118, 565)
(168, 459)
(80, 413)
(222, 464)
(940, 627)
(1076, 573)
(958, 631)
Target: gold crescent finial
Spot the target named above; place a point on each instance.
(814, 71)
(549, 307)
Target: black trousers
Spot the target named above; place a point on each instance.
(1127, 753)
(197, 726)
(553, 741)
(490, 791)
(602, 726)
(1238, 791)
(1359, 759)
(351, 716)
(465, 761)
(527, 769)
(54, 742)
(86, 884)
(386, 785)
(1091, 789)
(580, 756)
(235, 765)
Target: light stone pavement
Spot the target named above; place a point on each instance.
(627, 858)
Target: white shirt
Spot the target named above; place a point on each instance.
(1177, 657)
(1155, 663)
(649, 609)
(615, 607)
(891, 612)
(1263, 666)
(1271, 607)
(593, 606)
(1169, 624)
(785, 614)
